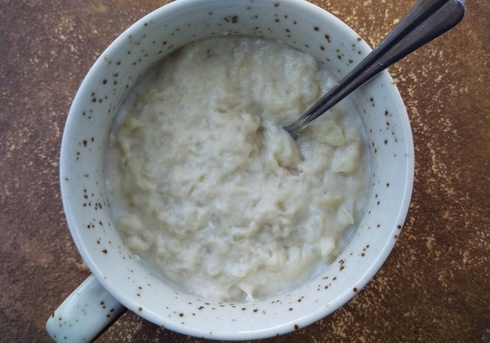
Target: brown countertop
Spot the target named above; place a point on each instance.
(434, 287)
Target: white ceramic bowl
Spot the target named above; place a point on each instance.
(301, 25)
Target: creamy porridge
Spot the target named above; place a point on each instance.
(208, 187)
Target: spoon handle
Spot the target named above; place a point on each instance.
(427, 20)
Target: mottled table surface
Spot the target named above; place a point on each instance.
(434, 287)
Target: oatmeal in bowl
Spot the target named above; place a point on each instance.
(212, 190)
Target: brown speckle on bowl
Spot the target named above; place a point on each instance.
(231, 19)
(342, 265)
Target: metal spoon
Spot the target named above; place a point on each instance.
(427, 20)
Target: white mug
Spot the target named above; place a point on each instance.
(119, 279)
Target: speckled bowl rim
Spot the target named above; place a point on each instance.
(299, 311)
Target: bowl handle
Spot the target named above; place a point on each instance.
(85, 314)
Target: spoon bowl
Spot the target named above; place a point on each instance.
(120, 280)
